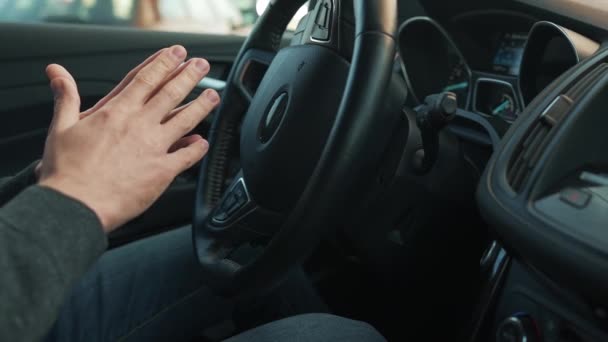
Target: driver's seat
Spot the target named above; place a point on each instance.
(311, 328)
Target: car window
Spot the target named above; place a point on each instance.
(199, 16)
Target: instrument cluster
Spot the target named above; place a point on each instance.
(515, 66)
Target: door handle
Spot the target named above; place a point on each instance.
(212, 83)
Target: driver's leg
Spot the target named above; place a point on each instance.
(312, 328)
(149, 290)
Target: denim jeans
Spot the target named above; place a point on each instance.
(153, 290)
(150, 290)
(317, 327)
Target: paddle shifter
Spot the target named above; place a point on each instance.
(431, 118)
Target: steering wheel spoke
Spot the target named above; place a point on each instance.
(237, 223)
(235, 203)
(238, 215)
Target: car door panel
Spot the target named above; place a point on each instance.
(98, 57)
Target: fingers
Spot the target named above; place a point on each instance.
(189, 117)
(122, 85)
(185, 142)
(174, 112)
(67, 99)
(185, 157)
(177, 87)
(150, 77)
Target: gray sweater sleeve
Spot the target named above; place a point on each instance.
(10, 187)
(47, 241)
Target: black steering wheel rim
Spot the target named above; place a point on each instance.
(331, 187)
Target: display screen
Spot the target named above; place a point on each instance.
(509, 53)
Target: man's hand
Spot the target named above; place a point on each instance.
(121, 155)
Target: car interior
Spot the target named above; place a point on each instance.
(433, 166)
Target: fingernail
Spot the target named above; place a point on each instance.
(212, 96)
(179, 52)
(202, 65)
(205, 144)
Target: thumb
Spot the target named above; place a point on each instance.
(54, 71)
(67, 99)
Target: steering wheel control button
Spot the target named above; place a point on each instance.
(220, 215)
(323, 21)
(234, 200)
(240, 196)
(576, 198)
(231, 205)
(518, 328)
(229, 202)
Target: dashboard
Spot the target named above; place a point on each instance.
(495, 70)
(545, 190)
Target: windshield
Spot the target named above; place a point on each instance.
(590, 11)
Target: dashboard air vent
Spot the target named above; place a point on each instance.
(530, 150)
(537, 138)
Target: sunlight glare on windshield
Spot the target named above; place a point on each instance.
(591, 11)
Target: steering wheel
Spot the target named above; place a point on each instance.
(308, 139)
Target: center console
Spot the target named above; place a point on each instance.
(526, 306)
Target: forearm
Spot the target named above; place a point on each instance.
(11, 186)
(47, 241)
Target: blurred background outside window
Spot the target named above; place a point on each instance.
(197, 16)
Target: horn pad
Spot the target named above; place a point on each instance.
(289, 122)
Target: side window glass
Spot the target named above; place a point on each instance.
(224, 17)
